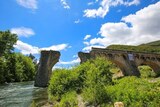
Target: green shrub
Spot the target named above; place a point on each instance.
(133, 91)
(95, 95)
(82, 77)
(69, 99)
(146, 71)
(62, 81)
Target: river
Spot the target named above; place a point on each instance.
(22, 94)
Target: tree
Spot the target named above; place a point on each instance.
(19, 68)
(7, 41)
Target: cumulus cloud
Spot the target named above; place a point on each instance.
(64, 4)
(56, 47)
(27, 48)
(31, 4)
(134, 29)
(105, 5)
(22, 31)
(75, 61)
(86, 43)
(87, 37)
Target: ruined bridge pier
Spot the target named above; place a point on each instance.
(47, 60)
(127, 61)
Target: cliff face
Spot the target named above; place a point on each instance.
(47, 60)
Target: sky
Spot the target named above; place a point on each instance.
(70, 26)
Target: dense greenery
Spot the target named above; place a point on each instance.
(7, 40)
(14, 67)
(93, 82)
(133, 91)
(141, 48)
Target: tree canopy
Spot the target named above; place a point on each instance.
(7, 41)
(14, 67)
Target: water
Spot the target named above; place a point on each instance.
(22, 95)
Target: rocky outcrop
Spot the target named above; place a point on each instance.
(47, 60)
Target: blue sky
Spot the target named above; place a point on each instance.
(70, 26)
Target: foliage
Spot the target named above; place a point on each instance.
(95, 95)
(69, 99)
(2, 70)
(97, 77)
(133, 91)
(17, 68)
(146, 71)
(142, 48)
(154, 43)
(7, 40)
(14, 67)
(62, 81)
(92, 81)
(89, 78)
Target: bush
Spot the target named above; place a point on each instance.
(69, 99)
(95, 95)
(89, 78)
(62, 81)
(146, 72)
(133, 91)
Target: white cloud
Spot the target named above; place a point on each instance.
(70, 62)
(105, 5)
(87, 37)
(22, 31)
(31, 4)
(86, 43)
(88, 48)
(92, 2)
(77, 21)
(134, 29)
(64, 4)
(56, 47)
(57, 67)
(27, 49)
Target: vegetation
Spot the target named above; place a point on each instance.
(154, 43)
(93, 81)
(14, 67)
(137, 92)
(141, 48)
(146, 72)
(7, 40)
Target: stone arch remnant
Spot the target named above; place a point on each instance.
(47, 60)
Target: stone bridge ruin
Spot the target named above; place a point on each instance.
(47, 60)
(127, 61)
